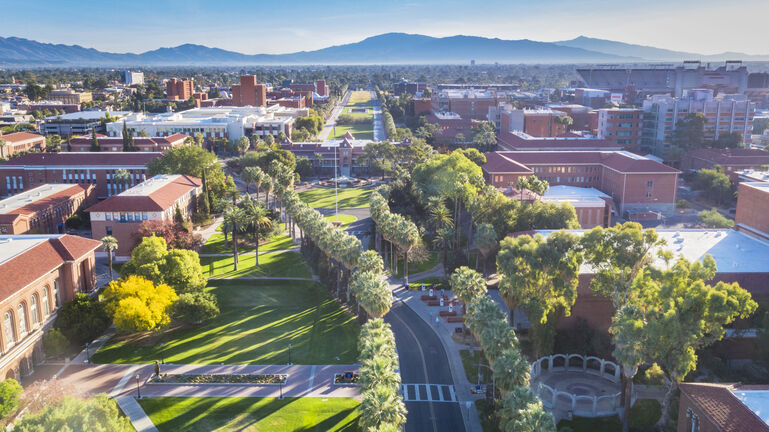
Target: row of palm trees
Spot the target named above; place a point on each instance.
(399, 232)
(246, 216)
(520, 410)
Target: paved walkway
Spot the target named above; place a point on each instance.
(296, 249)
(314, 278)
(329, 126)
(139, 419)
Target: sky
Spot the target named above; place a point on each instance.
(281, 26)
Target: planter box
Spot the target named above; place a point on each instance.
(455, 319)
(220, 379)
(447, 313)
(426, 297)
(433, 302)
(341, 380)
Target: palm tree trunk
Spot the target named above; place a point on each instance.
(257, 191)
(476, 264)
(406, 268)
(338, 279)
(627, 396)
(109, 256)
(234, 250)
(256, 254)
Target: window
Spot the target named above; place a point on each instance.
(108, 230)
(648, 194)
(33, 310)
(650, 183)
(46, 302)
(21, 311)
(56, 294)
(8, 332)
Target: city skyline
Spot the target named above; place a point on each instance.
(313, 26)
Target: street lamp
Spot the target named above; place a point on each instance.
(138, 389)
(493, 379)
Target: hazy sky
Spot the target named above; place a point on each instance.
(279, 26)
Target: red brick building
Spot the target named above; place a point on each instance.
(468, 104)
(321, 88)
(115, 144)
(570, 141)
(583, 118)
(248, 92)
(753, 209)
(722, 407)
(96, 168)
(44, 208)
(635, 183)
(19, 142)
(731, 160)
(180, 89)
(155, 199)
(50, 106)
(622, 126)
(39, 273)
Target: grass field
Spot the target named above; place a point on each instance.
(344, 218)
(348, 198)
(281, 264)
(415, 268)
(365, 131)
(195, 414)
(359, 131)
(215, 244)
(257, 322)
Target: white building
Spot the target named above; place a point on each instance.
(214, 122)
(131, 78)
(723, 114)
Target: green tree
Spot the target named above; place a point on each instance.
(178, 216)
(303, 167)
(110, 245)
(257, 218)
(474, 155)
(714, 184)
(128, 139)
(94, 141)
(523, 412)
(485, 136)
(729, 140)
(52, 144)
(242, 144)
(195, 307)
(10, 390)
(680, 313)
(539, 275)
(486, 240)
(191, 161)
(713, 219)
(382, 410)
(54, 342)
(234, 219)
(152, 260)
(82, 319)
(97, 414)
(689, 132)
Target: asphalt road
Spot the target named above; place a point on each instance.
(423, 361)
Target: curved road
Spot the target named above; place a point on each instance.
(423, 361)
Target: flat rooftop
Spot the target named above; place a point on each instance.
(151, 185)
(88, 115)
(20, 200)
(577, 196)
(733, 251)
(13, 245)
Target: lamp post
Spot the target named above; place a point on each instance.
(493, 378)
(87, 354)
(138, 389)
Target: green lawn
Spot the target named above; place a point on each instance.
(600, 424)
(362, 131)
(257, 322)
(215, 244)
(344, 218)
(415, 268)
(290, 264)
(348, 198)
(470, 363)
(202, 414)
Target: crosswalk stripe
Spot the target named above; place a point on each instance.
(426, 392)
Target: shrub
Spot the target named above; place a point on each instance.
(644, 414)
(195, 307)
(82, 319)
(713, 219)
(683, 204)
(54, 342)
(136, 304)
(10, 390)
(71, 414)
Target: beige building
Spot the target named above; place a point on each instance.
(70, 96)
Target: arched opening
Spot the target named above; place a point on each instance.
(8, 330)
(56, 293)
(21, 312)
(34, 310)
(46, 301)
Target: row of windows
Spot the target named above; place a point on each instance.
(16, 328)
(126, 216)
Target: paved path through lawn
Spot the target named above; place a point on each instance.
(314, 278)
(139, 419)
(296, 249)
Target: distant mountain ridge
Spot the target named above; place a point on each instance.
(388, 48)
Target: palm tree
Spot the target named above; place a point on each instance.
(467, 283)
(109, 244)
(258, 179)
(440, 217)
(522, 412)
(247, 176)
(373, 294)
(486, 240)
(234, 219)
(382, 410)
(408, 237)
(378, 371)
(267, 188)
(259, 220)
(511, 369)
(444, 239)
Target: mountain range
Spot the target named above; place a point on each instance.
(389, 48)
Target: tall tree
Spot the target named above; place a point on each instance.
(109, 244)
(94, 141)
(234, 219)
(128, 139)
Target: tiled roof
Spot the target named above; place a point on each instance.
(84, 158)
(40, 259)
(567, 141)
(154, 141)
(20, 136)
(621, 161)
(497, 162)
(47, 201)
(723, 408)
(737, 156)
(158, 199)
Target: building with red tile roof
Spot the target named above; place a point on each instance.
(115, 144)
(96, 168)
(723, 407)
(752, 214)
(731, 160)
(21, 141)
(154, 199)
(44, 209)
(637, 185)
(39, 274)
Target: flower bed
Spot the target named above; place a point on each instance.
(346, 378)
(243, 379)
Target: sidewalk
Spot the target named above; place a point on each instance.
(295, 249)
(314, 278)
(139, 419)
